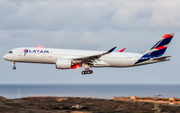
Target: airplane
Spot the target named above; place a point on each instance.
(72, 59)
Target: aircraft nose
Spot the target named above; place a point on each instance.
(5, 57)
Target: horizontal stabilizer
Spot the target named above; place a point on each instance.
(162, 58)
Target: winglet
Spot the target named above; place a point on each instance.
(122, 50)
(111, 50)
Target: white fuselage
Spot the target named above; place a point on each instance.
(71, 59)
(49, 56)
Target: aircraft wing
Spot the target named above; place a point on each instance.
(91, 59)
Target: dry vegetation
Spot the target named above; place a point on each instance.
(77, 105)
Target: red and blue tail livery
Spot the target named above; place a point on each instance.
(158, 49)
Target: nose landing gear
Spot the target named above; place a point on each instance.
(87, 71)
(14, 66)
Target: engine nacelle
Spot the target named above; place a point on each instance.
(63, 64)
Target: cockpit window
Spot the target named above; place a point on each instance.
(10, 52)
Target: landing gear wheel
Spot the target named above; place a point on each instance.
(14, 68)
(87, 72)
(90, 71)
(83, 72)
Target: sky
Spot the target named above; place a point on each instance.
(89, 25)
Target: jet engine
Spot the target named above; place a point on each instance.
(63, 64)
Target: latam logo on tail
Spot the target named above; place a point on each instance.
(34, 51)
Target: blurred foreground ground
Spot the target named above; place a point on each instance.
(77, 105)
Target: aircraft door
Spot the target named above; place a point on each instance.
(20, 52)
(50, 54)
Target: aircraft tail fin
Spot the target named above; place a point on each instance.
(155, 53)
(160, 47)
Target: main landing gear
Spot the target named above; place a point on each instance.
(14, 67)
(87, 71)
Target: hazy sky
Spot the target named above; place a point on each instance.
(93, 25)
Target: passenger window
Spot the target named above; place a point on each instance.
(10, 52)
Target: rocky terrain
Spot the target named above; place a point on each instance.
(77, 105)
